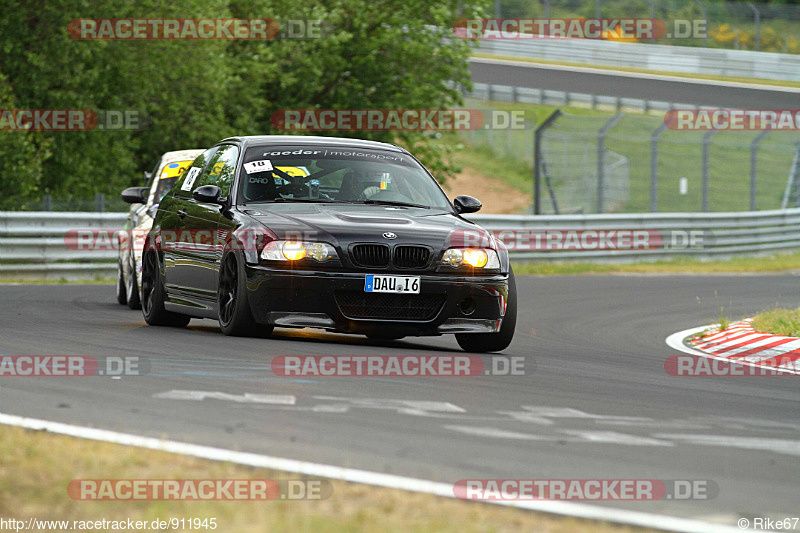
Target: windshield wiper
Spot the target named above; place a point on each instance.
(392, 202)
(319, 200)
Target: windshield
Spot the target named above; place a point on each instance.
(169, 175)
(347, 175)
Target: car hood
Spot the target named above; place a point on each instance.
(342, 224)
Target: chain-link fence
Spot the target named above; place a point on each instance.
(791, 197)
(580, 173)
(630, 162)
(771, 27)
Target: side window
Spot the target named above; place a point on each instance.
(188, 180)
(220, 169)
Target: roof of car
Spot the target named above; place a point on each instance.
(312, 140)
(181, 155)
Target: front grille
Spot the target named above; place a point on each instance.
(411, 256)
(370, 255)
(357, 304)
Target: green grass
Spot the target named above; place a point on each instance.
(722, 319)
(38, 466)
(773, 263)
(779, 322)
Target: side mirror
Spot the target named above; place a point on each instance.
(467, 204)
(135, 195)
(207, 194)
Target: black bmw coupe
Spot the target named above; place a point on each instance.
(345, 235)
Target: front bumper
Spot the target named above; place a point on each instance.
(336, 301)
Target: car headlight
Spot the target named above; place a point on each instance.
(474, 257)
(296, 250)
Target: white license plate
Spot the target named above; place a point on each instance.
(393, 284)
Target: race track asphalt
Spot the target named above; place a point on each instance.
(630, 85)
(594, 401)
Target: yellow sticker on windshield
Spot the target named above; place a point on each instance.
(217, 168)
(173, 170)
(294, 171)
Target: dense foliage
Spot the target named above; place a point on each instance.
(373, 54)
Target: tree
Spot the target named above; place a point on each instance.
(384, 54)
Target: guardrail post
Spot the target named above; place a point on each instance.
(753, 166)
(546, 9)
(652, 16)
(757, 22)
(706, 145)
(528, 140)
(601, 149)
(99, 202)
(791, 184)
(598, 9)
(705, 18)
(537, 159)
(654, 166)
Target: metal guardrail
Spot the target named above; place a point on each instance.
(495, 92)
(686, 59)
(32, 244)
(718, 235)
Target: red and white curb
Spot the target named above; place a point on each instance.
(740, 343)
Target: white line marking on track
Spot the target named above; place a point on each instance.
(614, 437)
(579, 510)
(199, 396)
(782, 446)
(495, 433)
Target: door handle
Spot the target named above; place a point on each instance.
(182, 213)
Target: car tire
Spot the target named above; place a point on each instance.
(122, 298)
(132, 287)
(153, 296)
(494, 342)
(233, 308)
